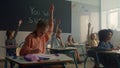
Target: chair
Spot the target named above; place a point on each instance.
(109, 60)
(100, 57)
(92, 52)
(19, 48)
(17, 53)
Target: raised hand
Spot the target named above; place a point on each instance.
(51, 9)
(58, 21)
(20, 22)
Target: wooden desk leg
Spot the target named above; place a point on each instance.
(85, 60)
(74, 57)
(64, 65)
(5, 64)
(11, 65)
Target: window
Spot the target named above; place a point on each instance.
(112, 21)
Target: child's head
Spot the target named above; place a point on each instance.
(59, 31)
(93, 36)
(70, 38)
(10, 34)
(105, 35)
(41, 28)
(110, 34)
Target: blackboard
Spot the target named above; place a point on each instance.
(32, 10)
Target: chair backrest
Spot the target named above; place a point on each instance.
(19, 48)
(93, 52)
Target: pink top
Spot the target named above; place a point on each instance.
(32, 43)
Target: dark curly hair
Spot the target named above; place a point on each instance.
(103, 34)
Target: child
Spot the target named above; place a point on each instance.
(93, 40)
(58, 43)
(105, 37)
(35, 43)
(105, 45)
(11, 41)
(56, 40)
(11, 35)
(70, 40)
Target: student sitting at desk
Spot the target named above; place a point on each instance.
(105, 37)
(93, 40)
(35, 43)
(105, 45)
(70, 41)
(11, 41)
(58, 43)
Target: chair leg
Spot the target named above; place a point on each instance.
(83, 51)
(98, 62)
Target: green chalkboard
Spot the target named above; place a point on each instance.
(30, 11)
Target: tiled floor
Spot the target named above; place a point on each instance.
(89, 65)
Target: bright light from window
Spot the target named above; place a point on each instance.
(113, 20)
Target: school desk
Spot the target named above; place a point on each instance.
(60, 59)
(67, 50)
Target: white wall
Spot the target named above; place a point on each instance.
(109, 4)
(79, 23)
(2, 39)
(89, 2)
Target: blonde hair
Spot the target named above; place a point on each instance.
(59, 30)
(41, 24)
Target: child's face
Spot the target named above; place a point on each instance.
(12, 34)
(43, 30)
(93, 36)
(59, 33)
(70, 37)
(109, 36)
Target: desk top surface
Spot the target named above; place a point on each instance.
(53, 59)
(113, 51)
(67, 48)
(77, 45)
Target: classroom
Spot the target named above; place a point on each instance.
(59, 34)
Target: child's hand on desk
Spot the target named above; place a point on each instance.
(116, 48)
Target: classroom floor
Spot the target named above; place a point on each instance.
(69, 65)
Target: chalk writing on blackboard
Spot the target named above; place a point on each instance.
(36, 14)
